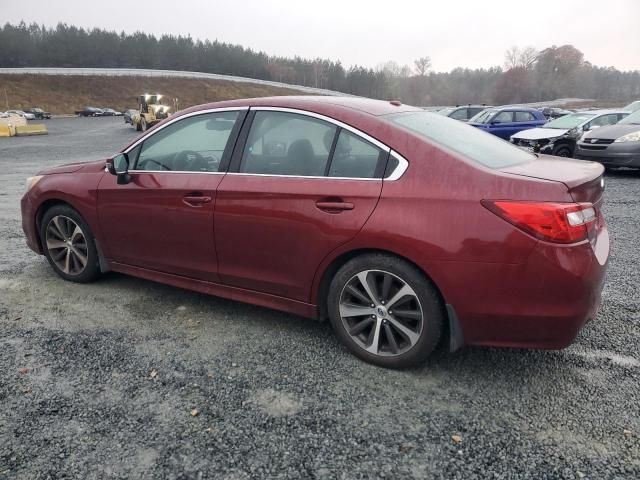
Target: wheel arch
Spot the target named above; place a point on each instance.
(335, 264)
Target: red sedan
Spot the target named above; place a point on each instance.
(400, 226)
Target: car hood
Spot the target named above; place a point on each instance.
(612, 132)
(539, 133)
(94, 166)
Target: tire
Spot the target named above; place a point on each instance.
(58, 228)
(143, 124)
(398, 346)
(562, 151)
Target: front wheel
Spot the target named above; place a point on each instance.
(385, 311)
(68, 244)
(562, 151)
(143, 124)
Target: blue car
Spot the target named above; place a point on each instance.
(506, 121)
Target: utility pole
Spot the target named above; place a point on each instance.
(6, 99)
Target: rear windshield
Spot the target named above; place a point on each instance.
(469, 141)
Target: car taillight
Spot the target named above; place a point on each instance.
(549, 221)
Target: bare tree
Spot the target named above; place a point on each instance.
(423, 65)
(516, 57)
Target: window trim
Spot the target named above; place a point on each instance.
(245, 124)
(403, 164)
(222, 171)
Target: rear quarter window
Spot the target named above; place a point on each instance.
(471, 142)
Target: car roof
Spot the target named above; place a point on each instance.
(316, 103)
(512, 108)
(602, 111)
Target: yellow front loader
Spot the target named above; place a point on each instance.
(150, 112)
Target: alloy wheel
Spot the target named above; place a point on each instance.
(381, 313)
(67, 245)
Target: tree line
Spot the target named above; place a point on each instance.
(527, 75)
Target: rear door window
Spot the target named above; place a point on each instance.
(524, 117)
(354, 157)
(459, 114)
(284, 143)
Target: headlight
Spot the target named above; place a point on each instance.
(629, 137)
(31, 182)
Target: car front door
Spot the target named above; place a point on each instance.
(162, 219)
(502, 124)
(299, 186)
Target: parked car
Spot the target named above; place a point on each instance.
(633, 106)
(614, 146)
(551, 113)
(129, 114)
(433, 109)
(506, 121)
(559, 136)
(462, 112)
(89, 112)
(340, 208)
(110, 112)
(39, 114)
(23, 114)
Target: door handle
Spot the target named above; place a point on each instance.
(196, 200)
(334, 207)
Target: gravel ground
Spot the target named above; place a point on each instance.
(126, 378)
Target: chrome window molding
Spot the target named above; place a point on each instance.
(316, 177)
(403, 164)
(319, 116)
(182, 117)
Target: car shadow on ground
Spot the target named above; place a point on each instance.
(468, 360)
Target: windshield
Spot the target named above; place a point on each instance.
(482, 117)
(446, 111)
(570, 121)
(633, 106)
(633, 119)
(469, 141)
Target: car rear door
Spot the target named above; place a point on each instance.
(162, 219)
(300, 185)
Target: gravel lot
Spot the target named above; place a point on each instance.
(126, 378)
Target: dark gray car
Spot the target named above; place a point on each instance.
(614, 146)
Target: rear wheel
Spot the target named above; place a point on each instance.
(143, 124)
(68, 244)
(385, 311)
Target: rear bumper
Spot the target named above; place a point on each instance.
(622, 155)
(29, 223)
(541, 304)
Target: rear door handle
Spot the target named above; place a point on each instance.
(334, 207)
(196, 200)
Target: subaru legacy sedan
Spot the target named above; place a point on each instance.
(404, 228)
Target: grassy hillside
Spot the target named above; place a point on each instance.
(64, 94)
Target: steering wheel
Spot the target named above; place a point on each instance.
(182, 161)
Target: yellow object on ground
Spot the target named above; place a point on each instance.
(5, 131)
(35, 129)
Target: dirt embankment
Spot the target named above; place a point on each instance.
(64, 94)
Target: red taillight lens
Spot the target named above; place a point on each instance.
(552, 222)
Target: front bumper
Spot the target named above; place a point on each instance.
(29, 226)
(614, 155)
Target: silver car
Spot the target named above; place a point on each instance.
(614, 146)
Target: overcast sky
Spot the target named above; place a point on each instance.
(468, 33)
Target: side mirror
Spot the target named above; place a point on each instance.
(119, 166)
(586, 128)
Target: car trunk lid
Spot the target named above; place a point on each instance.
(582, 179)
